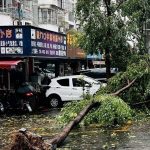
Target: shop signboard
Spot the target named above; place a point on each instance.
(47, 43)
(31, 41)
(94, 56)
(11, 41)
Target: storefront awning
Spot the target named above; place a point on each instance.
(8, 64)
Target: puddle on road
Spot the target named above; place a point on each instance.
(135, 137)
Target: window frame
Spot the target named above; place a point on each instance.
(64, 82)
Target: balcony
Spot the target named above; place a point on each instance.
(13, 12)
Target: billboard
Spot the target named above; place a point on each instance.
(31, 41)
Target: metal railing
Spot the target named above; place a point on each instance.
(13, 12)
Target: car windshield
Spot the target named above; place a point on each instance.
(90, 80)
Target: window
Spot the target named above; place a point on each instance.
(2, 5)
(52, 16)
(148, 25)
(63, 82)
(71, 16)
(47, 16)
(60, 3)
(44, 15)
(78, 82)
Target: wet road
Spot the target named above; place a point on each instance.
(129, 137)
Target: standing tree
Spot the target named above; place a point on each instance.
(107, 27)
(138, 12)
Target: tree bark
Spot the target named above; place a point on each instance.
(124, 88)
(107, 48)
(61, 137)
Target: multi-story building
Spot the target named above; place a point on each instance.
(18, 12)
(59, 16)
(56, 15)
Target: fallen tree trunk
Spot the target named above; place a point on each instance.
(61, 137)
(26, 140)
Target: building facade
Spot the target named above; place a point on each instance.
(52, 15)
(15, 12)
(56, 15)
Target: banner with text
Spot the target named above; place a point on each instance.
(31, 41)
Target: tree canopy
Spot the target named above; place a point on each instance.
(109, 27)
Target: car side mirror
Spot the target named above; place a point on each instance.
(88, 85)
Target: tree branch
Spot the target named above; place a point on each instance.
(124, 88)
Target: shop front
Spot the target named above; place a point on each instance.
(76, 55)
(95, 60)
(37, 48)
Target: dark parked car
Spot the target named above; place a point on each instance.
(98, 73)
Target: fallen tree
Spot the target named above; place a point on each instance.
(24, 139)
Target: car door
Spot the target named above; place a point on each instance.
(64, 89)
(77, 89)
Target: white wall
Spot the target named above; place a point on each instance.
(5, 20)
(49, 27)
(45, 2)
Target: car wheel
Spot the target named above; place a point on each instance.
(55, 102)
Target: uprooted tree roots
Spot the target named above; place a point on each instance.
(25, 140)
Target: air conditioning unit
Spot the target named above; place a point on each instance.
(16, 22)
(60, 20)
(67, 25)
(61, 29)
(22, 22)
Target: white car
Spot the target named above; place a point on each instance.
(70, 88)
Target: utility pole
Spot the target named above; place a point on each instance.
(19, 11)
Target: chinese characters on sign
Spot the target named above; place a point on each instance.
(48, 43)
(31, 41)
(11, 41)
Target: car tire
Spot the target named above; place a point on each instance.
(55, 102)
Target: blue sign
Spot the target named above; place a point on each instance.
(31, 41)
(95, 56)
(47, 43)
